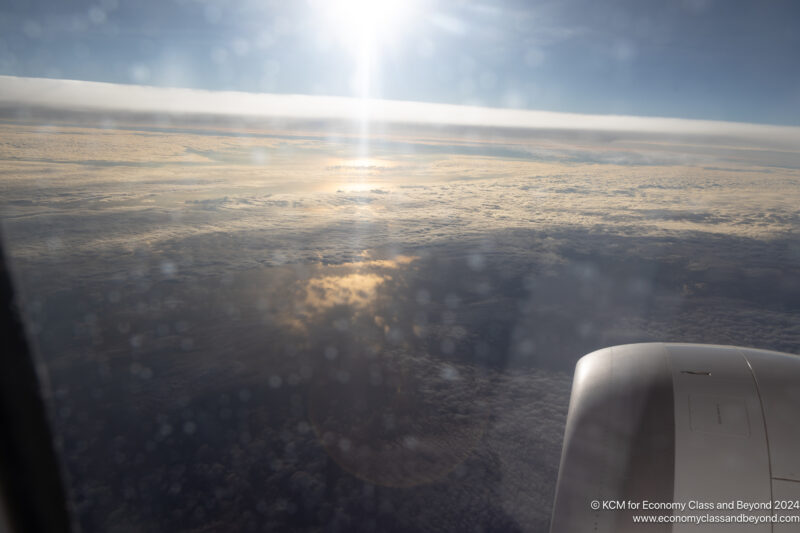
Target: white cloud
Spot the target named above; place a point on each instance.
(107, 97)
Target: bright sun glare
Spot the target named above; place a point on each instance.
(362, 22)
(364, 27)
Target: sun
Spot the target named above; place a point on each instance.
(364, 28)
(361, 22)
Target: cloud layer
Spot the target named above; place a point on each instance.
(298, 326)
(16, 93)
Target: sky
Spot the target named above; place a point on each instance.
(707, 59)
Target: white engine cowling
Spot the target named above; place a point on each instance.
(694, 430)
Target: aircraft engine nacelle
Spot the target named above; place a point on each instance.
(681, 431)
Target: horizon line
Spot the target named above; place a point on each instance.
(80, 95)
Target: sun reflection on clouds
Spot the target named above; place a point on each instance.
(354, 284)
(350, 289)
(361, 164)
(358, 187)
(360, 174)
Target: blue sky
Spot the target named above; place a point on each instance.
(708, 59)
